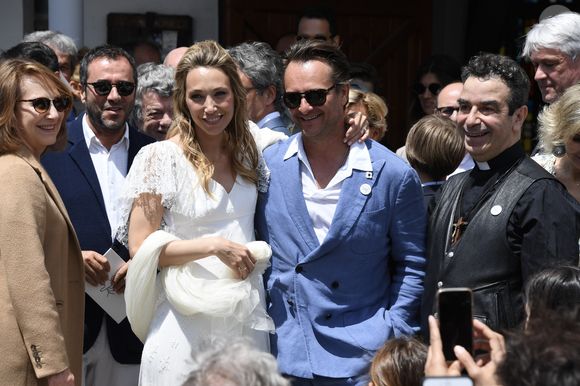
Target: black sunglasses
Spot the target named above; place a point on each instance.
(434, 88)
(313, 97)
(42, 105)
(447, 110)
(104, 87)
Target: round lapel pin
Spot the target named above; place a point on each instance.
(496, 210)
(365, 189)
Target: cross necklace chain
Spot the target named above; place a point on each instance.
(460, 225)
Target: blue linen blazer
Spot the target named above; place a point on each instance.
(277, 124)
(334, 304)
(74, 175)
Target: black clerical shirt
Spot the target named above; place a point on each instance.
(545, 204)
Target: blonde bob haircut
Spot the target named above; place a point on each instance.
(376, 108)
(434, 146)
(12, 72)
(238, 139)
(560, 121)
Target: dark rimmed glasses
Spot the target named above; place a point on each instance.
(42, 105)
(315, 97)
(104, 87)
(419, 88)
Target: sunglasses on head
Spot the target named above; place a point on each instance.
(313, 97)
(434, 88)
(104, 87)
(42, 105)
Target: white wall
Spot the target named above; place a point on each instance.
(203, 12)
(11, 23)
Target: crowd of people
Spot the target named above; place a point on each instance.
(264, 235)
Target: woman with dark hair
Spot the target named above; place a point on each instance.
(434, 74)
(553, 290)
(41, 267)
(190, 203)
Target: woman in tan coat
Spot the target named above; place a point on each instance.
(41, 269)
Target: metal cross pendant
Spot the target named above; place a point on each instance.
(458, 229)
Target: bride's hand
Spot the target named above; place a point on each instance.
(236, 256)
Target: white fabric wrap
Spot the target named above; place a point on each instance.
(188, 294)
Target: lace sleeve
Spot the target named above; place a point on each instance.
(264, 137)
(153, 171)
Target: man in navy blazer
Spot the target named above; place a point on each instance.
(347, 229)
(89, 174)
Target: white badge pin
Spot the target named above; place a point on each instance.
(365, 189)
(496, 210)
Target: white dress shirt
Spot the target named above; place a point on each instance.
(111, 168)
(321, 202)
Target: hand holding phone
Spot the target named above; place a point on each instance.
(455, 320)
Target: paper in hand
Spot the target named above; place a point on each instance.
(104, 294)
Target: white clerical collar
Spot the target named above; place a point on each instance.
(483, 165)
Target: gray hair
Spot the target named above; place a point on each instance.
(560, 32)
(237, 362)
(57, 40)
(158, 78)
(259, 62)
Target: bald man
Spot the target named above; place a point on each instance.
(447, 105)
(174, 56)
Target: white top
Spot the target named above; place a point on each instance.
(321, 203)
(547, 161)
(111, 168)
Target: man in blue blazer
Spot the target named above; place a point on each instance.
(347, 230)
(89, 174)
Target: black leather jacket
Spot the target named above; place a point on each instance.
(481, 259)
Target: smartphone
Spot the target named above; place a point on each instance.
(447, 381)
(455, 319)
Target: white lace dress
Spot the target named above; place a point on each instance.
(183, 306)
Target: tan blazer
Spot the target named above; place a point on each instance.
(41, 277)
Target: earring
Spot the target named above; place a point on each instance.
(559, 149)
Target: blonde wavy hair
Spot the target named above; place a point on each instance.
(238, 139)
(560, 121)
(376, 108)
(12, 71)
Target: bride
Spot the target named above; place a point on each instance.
(190, 203)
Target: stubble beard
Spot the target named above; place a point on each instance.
(106, 126)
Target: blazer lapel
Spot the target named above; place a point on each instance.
(79, 152)
(134, 147)
(294, 199)
(355, 192)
